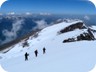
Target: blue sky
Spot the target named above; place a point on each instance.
(50, 6)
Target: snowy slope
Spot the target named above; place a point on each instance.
(77, 56)
(93, 27)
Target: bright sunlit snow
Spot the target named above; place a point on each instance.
(59, 57)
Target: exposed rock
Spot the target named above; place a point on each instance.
(25, 44)
(92, 30)
(84, 36)
(91, 34)
(69, 40)
(78, 25)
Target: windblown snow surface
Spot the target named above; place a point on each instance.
(79, 56)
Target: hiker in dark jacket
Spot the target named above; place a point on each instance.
(36, 53)
(44, 50)
(26, 56)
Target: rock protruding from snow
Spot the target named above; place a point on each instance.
(93, 28)
(83, 36)
(72, 27)
(88, 35)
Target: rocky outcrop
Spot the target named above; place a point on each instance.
(84, 36)
(25, 44)
(78, 25)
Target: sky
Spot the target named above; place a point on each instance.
(49, 6)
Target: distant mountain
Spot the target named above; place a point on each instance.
(15, 26)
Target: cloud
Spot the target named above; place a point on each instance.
(11, 13)
(10, 35)
(41, 24)
(45, 13)
(86, 17)
(28, 13)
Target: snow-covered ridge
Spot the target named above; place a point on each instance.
(54, 31)
(93, 27)
(59, 57)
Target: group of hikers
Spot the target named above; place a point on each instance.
(35, 52)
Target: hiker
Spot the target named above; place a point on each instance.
(44, 50)
(36, 53)
(26, 56)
